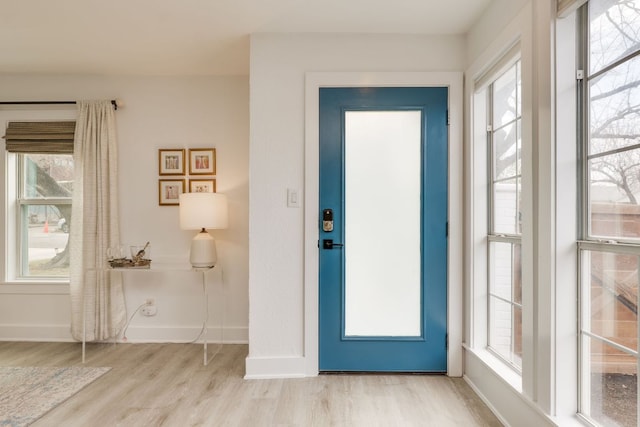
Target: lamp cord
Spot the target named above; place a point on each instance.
(126, 326)
(206, 317)
(204, 323)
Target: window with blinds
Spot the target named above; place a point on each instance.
(40, 160)
(40, 137)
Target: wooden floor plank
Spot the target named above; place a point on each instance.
(167, 385)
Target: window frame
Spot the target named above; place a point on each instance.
(493, 236)
(548, 382)
(587, 241)
(9, 267)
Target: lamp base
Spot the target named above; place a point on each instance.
(203, 250)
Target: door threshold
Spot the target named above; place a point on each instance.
(379, 373)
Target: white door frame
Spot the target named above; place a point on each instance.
(313, 82)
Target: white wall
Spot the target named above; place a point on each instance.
(278, 67)
(486, 30)
(159, 112)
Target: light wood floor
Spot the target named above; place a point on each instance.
(167, 385)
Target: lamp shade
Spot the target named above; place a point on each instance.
(203, 210)
(199, 211)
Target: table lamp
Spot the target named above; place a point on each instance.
(202, 211)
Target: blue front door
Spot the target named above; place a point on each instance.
(383, 229)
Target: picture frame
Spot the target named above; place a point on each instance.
(202, 161)
(171, 161)
(202, 185)
(169, 191)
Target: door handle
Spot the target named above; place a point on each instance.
(328, 244)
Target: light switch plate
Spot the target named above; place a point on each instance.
(293, 198)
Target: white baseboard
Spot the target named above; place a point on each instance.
(485, 400)
(510, 406)
(137, 334)
(274, 367)
(228, 335)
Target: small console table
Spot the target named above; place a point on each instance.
(205, 308)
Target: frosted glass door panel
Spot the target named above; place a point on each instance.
(382, 223)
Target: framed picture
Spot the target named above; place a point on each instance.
(171, 162)
(202, 161)
(202, 185)
(169, 191)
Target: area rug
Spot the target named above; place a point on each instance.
(26, 394)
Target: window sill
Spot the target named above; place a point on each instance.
(501, 369)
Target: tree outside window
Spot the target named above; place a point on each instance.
(504, 238)
(610, 246)
(44, 191)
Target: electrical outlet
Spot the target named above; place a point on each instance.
(150, 308)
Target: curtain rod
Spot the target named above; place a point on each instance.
(114, 102)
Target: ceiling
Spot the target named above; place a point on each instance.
(195, 37)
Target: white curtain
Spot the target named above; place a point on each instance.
(94, 225)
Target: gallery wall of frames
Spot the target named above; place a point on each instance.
(182, 170)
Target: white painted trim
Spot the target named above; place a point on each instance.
(315, 80)
(566, 327)
(226, 335)
(137, 334)
(516, 32)
(505, 372)
(539, 381)
(486, 401)
(511, 406)
(549, 376)
(277, 367)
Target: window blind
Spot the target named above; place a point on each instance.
(565, 7)
(40, 137)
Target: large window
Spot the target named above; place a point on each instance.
(504, 236)
(39, 161)
(609, 248)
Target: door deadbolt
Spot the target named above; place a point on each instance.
(327, 220)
